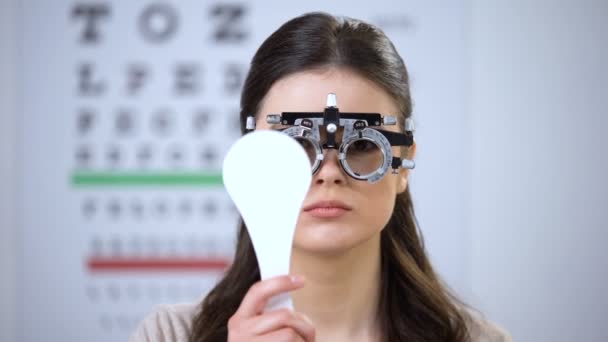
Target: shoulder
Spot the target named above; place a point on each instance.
(483, 330)
(166, 323)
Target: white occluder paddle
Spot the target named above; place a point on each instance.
(267, 174)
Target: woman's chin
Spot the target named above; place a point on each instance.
(326, 238)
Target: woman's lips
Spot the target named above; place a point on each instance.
(327, 212)
(327, 209)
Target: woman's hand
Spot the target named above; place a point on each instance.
(250, 323)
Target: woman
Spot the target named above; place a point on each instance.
(359, 271)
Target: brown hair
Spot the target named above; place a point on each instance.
(414, 304)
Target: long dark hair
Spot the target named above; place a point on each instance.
(414, 304)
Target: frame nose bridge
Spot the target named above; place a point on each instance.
(331, 159)
(339, 135)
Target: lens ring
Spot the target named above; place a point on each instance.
(349, 165)
(376, 138)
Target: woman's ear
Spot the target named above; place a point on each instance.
(403, 172)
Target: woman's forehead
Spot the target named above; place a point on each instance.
(307, 91)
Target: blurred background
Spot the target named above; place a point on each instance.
(114, 118)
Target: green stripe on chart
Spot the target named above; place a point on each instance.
(104, 179)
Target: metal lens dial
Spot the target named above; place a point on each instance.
(366, 155)
(304, 137)
(363, 156)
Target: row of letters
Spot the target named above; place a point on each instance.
(137, 208)
(159, 22)
(187, 79)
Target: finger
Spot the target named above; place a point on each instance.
(278, 319)
(258, 295)
(309, 331)
(281, 335)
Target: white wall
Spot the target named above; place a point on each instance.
(538, 108)
(7, 171)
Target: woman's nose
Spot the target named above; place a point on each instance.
(330, 170)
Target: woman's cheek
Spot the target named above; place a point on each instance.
(380, 202)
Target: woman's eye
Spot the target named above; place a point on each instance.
(363, 146)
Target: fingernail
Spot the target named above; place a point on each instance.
(297, 280)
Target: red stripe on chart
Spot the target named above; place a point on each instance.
(100, 264)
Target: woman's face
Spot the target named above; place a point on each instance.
(339, 212)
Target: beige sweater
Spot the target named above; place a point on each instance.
(172, 323)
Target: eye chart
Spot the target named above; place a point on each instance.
(126, 112)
